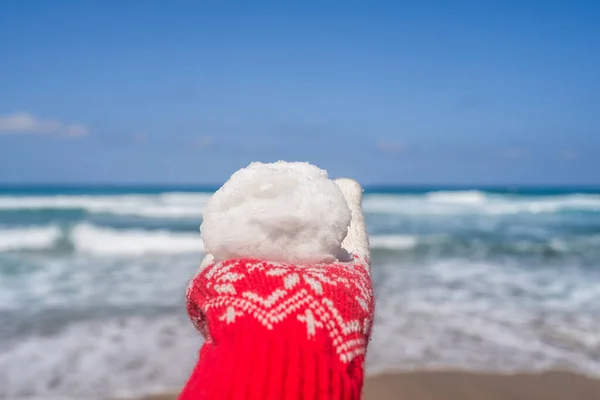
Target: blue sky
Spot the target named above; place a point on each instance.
(462, 92)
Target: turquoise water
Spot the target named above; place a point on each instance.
(92, 282)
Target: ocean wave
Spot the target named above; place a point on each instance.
(486, 316)
(166, 205)
(101, 241)
(35, 238)
(95, 240)
(94, 360)
(191, 205)
(477, 202)
(457, 197)
(393, 242)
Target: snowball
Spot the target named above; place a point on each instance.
(283, 211)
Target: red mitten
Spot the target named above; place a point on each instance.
(278, 331)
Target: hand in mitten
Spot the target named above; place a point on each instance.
(284, 331)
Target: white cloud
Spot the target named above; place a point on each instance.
(390, 147)
(24, 123)
(203, 142)
(140, 137)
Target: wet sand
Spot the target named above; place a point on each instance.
(453, 385)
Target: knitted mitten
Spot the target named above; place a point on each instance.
(276, 331)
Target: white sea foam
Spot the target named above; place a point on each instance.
(393, 242)
(476, 202)
(484, 316)
(96, 360)
(101, 241)
(36, 238)
(457, 197)
(166, 205)
(85, 282)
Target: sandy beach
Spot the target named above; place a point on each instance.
(452, 385)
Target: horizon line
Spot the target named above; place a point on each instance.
(390, 185)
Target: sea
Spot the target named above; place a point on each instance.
(92, 284)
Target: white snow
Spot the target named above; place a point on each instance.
(283, 211)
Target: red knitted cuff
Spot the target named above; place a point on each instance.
(277, 331)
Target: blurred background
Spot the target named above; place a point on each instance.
(474, 126)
